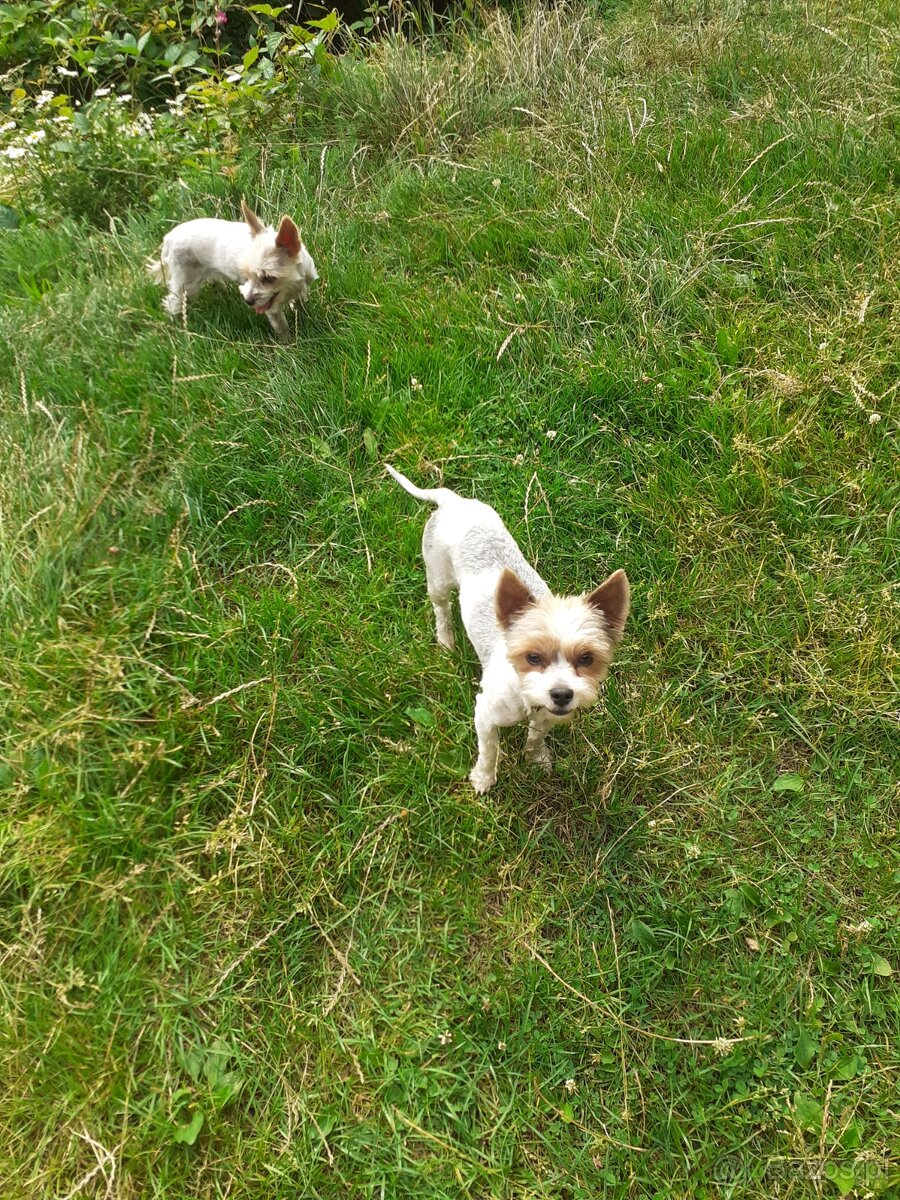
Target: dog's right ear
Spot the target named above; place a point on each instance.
(288, 238)
(510, 598)
(256, 225)
(613, 598)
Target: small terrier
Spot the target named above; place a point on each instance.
(542, 656)
(273, 267)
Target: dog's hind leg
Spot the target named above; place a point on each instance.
(183, 277)
(441, 580)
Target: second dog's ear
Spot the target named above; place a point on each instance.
(288, 237)
(612, 597)
(510, 597)
(256, 225)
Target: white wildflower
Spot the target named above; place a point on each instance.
(551, 434)
(99, 93)
(692, 850)
(445, 1038)
(571, 1086)
(43, 98)
(124, 97)
(14, 152)
(7, 127)
(36, 135)
(501, 1045)
(67, 73)
(723, 1045)
(414, 384)
(874, 418)
(233, 77)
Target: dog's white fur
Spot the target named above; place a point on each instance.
(543, 657)
(272, 267)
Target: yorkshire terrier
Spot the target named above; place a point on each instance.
(543, 656)
(272, 267)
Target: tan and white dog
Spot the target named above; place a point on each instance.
(543, 657)
(272, 267)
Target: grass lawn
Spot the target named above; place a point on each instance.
(629, 278)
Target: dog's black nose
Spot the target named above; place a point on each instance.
(561, 696)
(251, 300)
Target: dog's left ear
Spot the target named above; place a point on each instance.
(612, 598)
(256, 225)
(510, 597)
(288, 237)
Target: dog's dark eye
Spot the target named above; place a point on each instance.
(267, 279)
(533, 660)
(585, 660)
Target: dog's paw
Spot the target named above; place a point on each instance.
(482, 781)
(445, 638)
(279, 326)
(543, 757)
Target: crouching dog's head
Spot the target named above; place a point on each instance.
(561, 646)
(272, 264)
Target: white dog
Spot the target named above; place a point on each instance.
(272, 267)
(543, 656)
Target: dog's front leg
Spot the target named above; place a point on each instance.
(279, 324)
(484, 773)
(536, 748)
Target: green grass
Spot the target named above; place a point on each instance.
(237, 877)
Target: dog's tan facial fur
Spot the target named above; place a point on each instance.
(561, 643)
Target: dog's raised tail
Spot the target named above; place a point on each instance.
(431, 495)
(156, 270)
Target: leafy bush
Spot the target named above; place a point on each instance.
(152, 53)
(94, 159)
(106, 103)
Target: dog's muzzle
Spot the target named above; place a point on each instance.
(554, 710)
(253, 302)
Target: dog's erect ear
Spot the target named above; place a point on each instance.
(612, 598)
(510, 598)
(288, 237)
(256, 225)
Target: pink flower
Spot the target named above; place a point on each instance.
(221, 17)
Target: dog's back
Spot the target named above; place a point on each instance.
(466, 546)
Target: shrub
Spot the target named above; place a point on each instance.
(124, 100)
(150, 52)
(94, 159)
